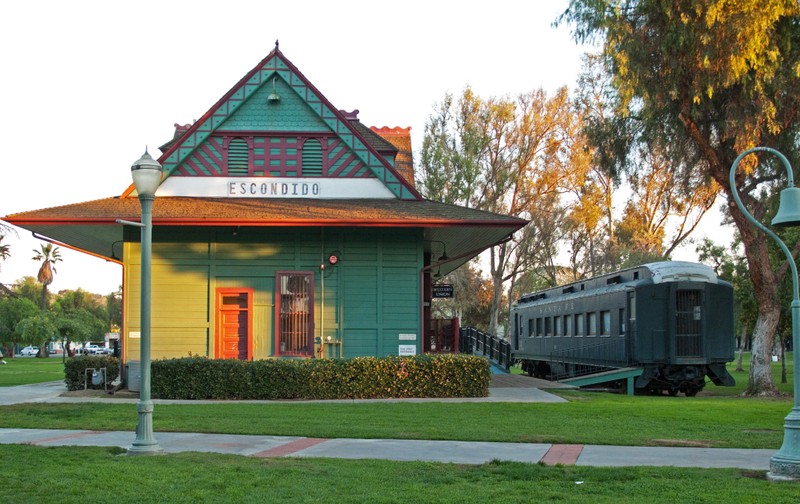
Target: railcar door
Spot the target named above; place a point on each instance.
(688, 323)
(629, 331)
(651, 324)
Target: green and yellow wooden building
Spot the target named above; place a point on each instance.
(283, 227)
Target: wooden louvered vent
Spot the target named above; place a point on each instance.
(238, 158)
(312, 159)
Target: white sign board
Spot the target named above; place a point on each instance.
(408, 337)
(407, 350)
(134, 334)
(274, 188)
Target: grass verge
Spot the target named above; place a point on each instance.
(589, 418)
(101, 475)
(27, 370)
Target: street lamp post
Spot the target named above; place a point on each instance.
(146, 173)
(785, 464)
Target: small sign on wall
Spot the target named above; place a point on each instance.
(134, 334)
(442, 290)
(408, 337)
(404, 350)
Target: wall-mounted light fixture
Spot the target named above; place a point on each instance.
(274, 97)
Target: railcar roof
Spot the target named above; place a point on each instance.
(658, 272)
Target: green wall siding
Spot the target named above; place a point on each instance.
(369, 298)
(291, 114)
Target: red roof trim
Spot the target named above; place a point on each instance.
(275, 223)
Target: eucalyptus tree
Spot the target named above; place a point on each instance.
(502, 155)
(712, 78)
(666, 204)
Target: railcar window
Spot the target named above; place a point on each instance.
(605, 323)
(621, 322)
(530, 328)
(567, 325)
(539, 327)
(591, 320)
(579, 324)
(558, 330)
(548, 326)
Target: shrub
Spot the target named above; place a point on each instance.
(358, 378)
(75, 370)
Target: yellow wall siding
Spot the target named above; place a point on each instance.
(179, 305)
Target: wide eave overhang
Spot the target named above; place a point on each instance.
(92, 226)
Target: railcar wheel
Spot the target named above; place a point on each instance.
(673, 392)
(691, 392)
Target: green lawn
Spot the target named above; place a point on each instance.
(742, 376)
(718, 417)
(26, 370)
(589, 418)
(101, 475)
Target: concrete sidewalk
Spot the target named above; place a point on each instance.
(458, 452)
(504, 389)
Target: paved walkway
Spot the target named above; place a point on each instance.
(460, 452)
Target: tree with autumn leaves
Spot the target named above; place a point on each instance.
(502, 155)
(678, 90)
(709, 79)
(531, 157)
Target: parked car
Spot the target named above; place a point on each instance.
(29, 351)
(92, 349)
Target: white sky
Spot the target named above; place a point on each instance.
(88, 84)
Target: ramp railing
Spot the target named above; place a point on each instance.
(494, 348)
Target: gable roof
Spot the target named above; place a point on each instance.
(276, 67)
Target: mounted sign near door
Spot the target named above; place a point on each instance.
(442, 290)
(406, 350)
(333, 258)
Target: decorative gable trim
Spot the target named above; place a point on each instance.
(275, 64)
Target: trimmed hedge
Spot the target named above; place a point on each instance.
(75, 370)
(358, 378)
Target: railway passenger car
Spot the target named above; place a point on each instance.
(673, 319)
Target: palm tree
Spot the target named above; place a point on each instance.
(5, 250)
(49, 255)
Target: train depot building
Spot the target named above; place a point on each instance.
(283, 227)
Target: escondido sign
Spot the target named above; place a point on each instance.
(271, 187)
(239, 189)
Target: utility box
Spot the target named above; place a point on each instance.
(133, 375)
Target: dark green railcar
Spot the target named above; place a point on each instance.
(673, 320)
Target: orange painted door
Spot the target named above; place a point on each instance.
(234, 323)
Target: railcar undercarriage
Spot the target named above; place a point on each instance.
(654, 380)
